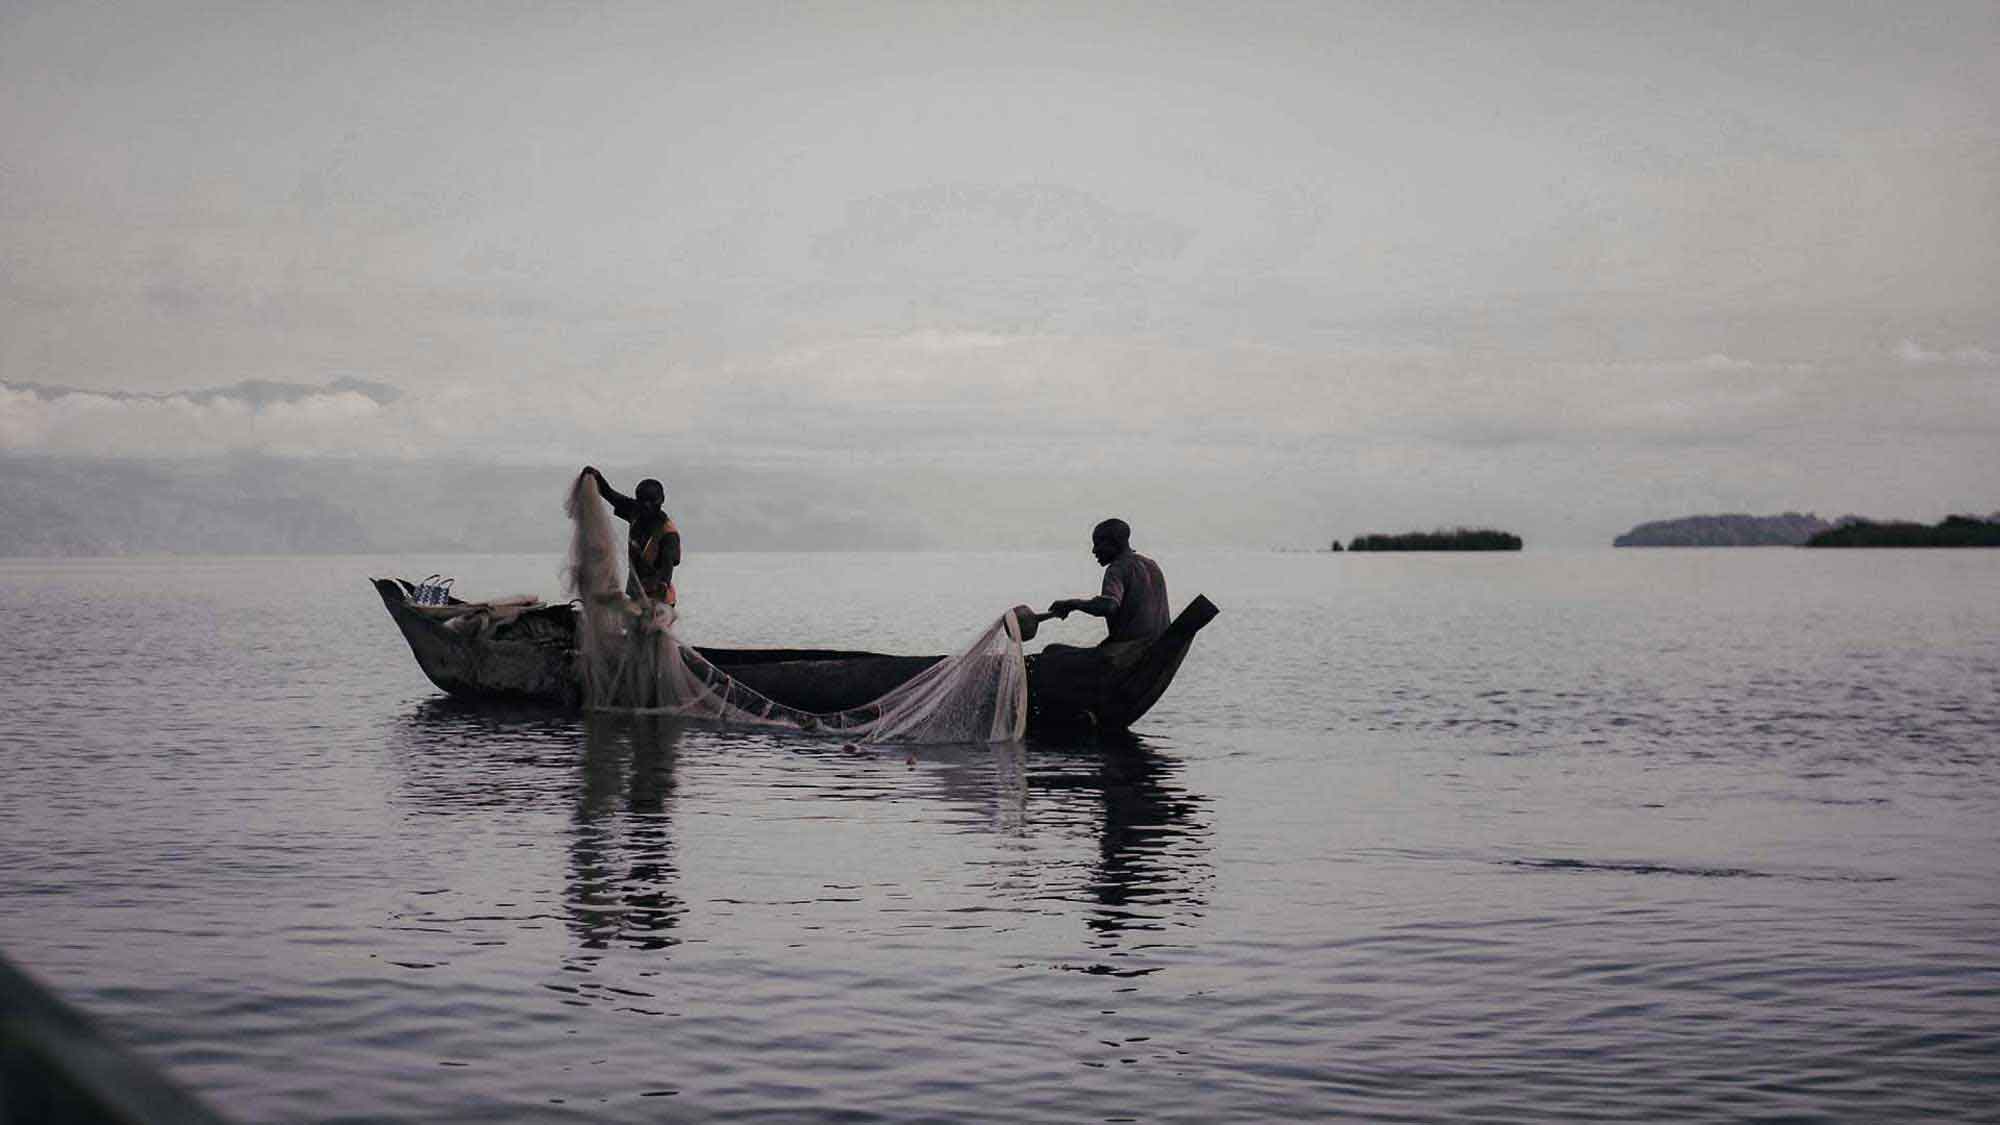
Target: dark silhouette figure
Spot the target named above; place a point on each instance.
(1133, 600)
(653, 545)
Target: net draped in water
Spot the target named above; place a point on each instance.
(629, 657)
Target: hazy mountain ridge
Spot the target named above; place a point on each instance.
(249, 392)
(61, 507)
(1787, 529)
(57, 508)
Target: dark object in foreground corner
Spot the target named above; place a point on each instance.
(55, 1066)
(1952, 531)
(531, 656)
(1457, 539)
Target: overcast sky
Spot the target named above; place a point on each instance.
(1252, 273)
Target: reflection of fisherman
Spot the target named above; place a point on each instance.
(653, 545)
(1133, 601)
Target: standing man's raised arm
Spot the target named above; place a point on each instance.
(621, 504)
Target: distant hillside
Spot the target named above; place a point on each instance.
(1787, 530)
(69, 508)
(52, 507)
(1952, 531)
(1457, 539)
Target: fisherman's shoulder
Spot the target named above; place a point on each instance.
(1128, 567)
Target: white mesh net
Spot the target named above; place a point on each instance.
(628, 657)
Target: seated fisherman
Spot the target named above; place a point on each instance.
(653, 545)
(1133, 601)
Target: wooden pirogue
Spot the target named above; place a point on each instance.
(528, 653)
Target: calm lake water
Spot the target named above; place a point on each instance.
(1642, 835)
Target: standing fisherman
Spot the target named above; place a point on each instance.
(653, 545)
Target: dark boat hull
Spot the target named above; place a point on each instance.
(531, 656)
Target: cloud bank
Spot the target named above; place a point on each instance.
(342, 418)
(1917, 355)
(1258, 273)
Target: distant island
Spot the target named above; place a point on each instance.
(1790, 529)
(1952, 531)
(1457, 539)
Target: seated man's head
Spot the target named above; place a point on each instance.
(1110, 539)
(651, 493)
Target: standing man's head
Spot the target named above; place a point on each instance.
(650, 493)
(1110, 539)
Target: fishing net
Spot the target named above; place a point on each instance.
(629, 657)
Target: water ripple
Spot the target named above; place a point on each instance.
(1550, 840)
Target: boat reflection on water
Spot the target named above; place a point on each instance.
(1144, 870)
(622, 873)
(609, 776)
(456, 757)
(1152, 871)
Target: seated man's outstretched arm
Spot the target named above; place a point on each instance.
(1103, 605)
(1099, 606)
